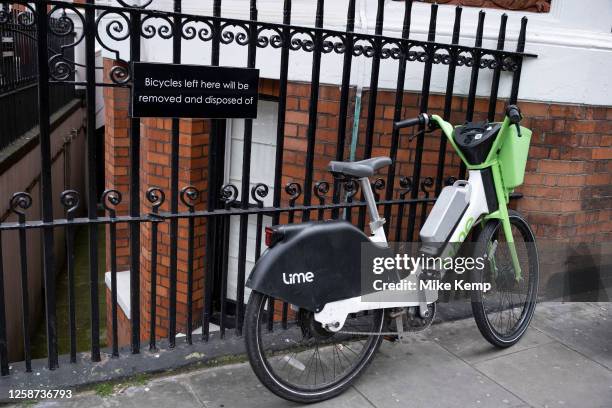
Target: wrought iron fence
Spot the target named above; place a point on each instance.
(19, 75)
(131, 24)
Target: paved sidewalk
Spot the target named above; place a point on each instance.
(564, 360)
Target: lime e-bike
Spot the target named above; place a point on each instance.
(330, 331)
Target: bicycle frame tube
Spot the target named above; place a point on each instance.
(476, 209)
(376, 222)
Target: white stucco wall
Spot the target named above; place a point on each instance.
(573, 41)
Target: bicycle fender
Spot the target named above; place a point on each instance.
(315, 263)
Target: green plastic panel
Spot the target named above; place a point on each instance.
(513, 156)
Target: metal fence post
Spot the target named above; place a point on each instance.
(92, 194)
(45, 180)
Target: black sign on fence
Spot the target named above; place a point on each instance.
(193, 91)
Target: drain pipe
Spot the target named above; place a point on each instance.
(355, 130)
(363, 17)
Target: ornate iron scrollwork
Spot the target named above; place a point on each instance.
(333, 42)
(165, 30)
(443, 55)
(509, 63)
(275, 39)
(229, 194)
(23, 18)
(20, 202)
(5, 16)
(116, 30)
(363, 46)
(415, 52)
(378, 185)
(465, 57)
(491, 62)
(60, 67)
(258, 192)
(156, 197)
(229, 36)
(115, 24)
(405, 186)
(391, 48)
(320, 189)
(191, 30)
(351, 187)
(111, 198)
(426, 184)
(305, 43)
(70, 200)
(139, 5)
(188, 196)
(294, 190)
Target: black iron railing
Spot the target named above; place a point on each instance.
(19, 75)
(133, 24)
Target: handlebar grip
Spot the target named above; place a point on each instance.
(422, 119)
(514, 114)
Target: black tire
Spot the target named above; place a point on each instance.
(506, 290)
(256, 323)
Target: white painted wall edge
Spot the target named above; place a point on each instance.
(123, 290)
(573, 43)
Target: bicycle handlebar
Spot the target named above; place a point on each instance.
(422, 119)
(514, 114)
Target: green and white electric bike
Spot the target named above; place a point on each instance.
(311, 326)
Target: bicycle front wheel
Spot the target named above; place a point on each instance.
(301, 361)
(504, 312)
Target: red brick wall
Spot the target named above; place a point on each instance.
(296, 127)
(116, 161)
(193, 161)
(568, 183)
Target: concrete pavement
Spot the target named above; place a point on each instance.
(564, 360)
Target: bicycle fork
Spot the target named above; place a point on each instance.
(502, 215)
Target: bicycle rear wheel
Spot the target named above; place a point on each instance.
(504, 313)
(303, 362)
